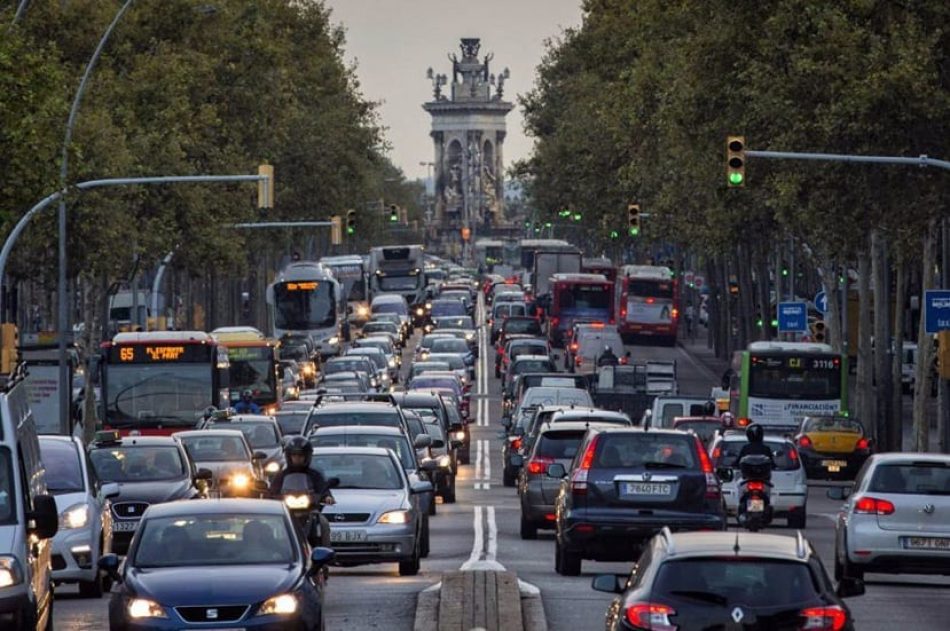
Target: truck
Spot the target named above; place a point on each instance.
(550, 262)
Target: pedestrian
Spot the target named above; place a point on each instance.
(689, 314)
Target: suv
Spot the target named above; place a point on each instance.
(525, 381)
(624, 485)
(718, 580)
(336, 414)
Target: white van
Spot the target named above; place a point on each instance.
(666, 408)
(590, 345)
(28, 515)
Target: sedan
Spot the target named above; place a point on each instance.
(216, 564)
(376, 517)
(833, 447)
(227, 454)
(263, 435)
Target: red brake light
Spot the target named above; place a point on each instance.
(650, 300)
(623, 360)
(555, 320)
(596, 325)
(805, 442)
(623, 312)
(588, 460)
(654, 616)
(675, 312)
(717, 453)
(712, 482)
(873, 506)
(863, 444)
(574, 346)
(793, 454)
(743, 422)
(831, 618)
(755, 485)
(704, 460)
(537, 466)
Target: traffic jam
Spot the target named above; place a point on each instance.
(239, 474)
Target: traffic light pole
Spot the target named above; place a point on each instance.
(921, 160)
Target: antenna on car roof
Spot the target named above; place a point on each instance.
(735, 547)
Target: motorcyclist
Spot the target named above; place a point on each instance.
(608, 358)
(756, 445)
(298, 453)
(246, 405)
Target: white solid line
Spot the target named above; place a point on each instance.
(478, 461)
(478, 544)
(492, 547)
(486, 469)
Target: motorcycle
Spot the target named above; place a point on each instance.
(305, 505)
(755, 510)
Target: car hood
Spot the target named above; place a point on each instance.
(366, 501)
(212, 585)
(155, 492)
(65, 500)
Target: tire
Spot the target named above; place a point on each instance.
(508, 477)
(798, 519)
(567, 563)
(528, 529)
(465, 456)
(448, 495)
(844, 568)
(410, 567)
(91, 589)
(432, 507)
(424, 543)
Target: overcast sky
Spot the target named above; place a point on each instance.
(394, 41)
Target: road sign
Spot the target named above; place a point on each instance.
(699, 281)
(792, 317)
(936, 310)
(821, 301)
(689, 277)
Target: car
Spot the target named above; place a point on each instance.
(376, 517)
(336, 414)
(292, 421)
(666, 408)
(525, 364)
(549, 395)
(521, 325)
(350, 381)
(85, 517)
(591, 343)
(434, 405)
(392, 303)
(514, 346)
(896, 517)
(463, 323)
(718, 580)
(456, 364)
(455, 346)
(624, 485)
(149, 470)
(447, 380)
(387, 371)
(706, 427)
(789, 495)
(263, 434)
(439, 457)
(422, 367)
(502, 311)
(394, 319)
(209, 563)
(349, 364)
(235, 467)
(382, 327)
(442, 307)
(385, 344)
(833, 447)
(425, 344)
(523, 382)
(302, 350)
(469, 337)
(388, 438)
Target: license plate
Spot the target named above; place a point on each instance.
(647, 488)
(124, 526)
(927, 543)
(347, 536)
(756, 506)
(834, 466)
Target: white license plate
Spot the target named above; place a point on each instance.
(927, 543)
(347, 536)
(647, 488)
(756, 506)
(834, 466)
(124, 526)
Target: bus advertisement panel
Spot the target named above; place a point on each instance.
(160, 382)
(578, 298)
(649, 302)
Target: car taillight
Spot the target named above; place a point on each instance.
(793, 454)
(873, 506)
(653, 616)
(537, 466)
(579, 475)
(755, 485)
(555, 320)
(623, 313)
(831, 618)
(675, 312)
(805, 442)
(717, 453)
(574, 346)
(743, 422)
(624, 360)
(862, 444)
(516, 444)
(712, 482)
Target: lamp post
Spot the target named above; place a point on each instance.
(430, 166)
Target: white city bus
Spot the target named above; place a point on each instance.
(306, 299)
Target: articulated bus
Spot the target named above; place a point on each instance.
(254, 365)
(398, 269)
(648, 300)
(351, 272)
(306, 299)
(160, 382)
(578, 298)
(776, 384)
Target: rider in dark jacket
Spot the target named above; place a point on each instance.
(608, 358)
(298, 452)
(756, 445)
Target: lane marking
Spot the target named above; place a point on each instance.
(491, 548)
(478, 464)
(478, 544)
(486, 468)
(484, 549)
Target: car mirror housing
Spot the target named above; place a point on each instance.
(320, 558)
(849, 587)
(44, 518)
(109, 490)
(422, 441)
(607, 583)
(429, 465)
(421, 487)
(204, 474)
(725, 474)
(838, 492)
(259, 455)
(333, 482)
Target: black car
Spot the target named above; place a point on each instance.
(149, 470)
(431, 404)
(238, 563)
(718, 580)
(624, 486)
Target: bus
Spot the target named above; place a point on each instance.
(488, 253)
(648, 301)
(254, 365)
(578, 298)
(600, 266)
(776, 384)
(398, 269)
(306, 299)
(160, 382)
(350, 272)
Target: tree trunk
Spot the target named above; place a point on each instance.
(882, 348)
(893, 437)
(864, 389)
(725, 311)
(925, 350)
(92, 301)
(713, 328)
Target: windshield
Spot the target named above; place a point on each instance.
(253, 368)
(422, 367)
(377, 358)
(449, 345)
(292, 422)
(517, 326)
(345, 365)
(398, 444)
(455, 362)
(137, 464)
(259, 435)
(391, 306)
(917, 478)
(650, 288)
(7, 508)
(424, 382)
(217, 539)
(584, 297)
(380, 327)
(213, 448)
(304, 306)
(833, 424)
(736, 581)
(336, 419)
(170, 393)
(784, 454)
(447, 308)
(359, 471)
(795, 377)
(63, 468)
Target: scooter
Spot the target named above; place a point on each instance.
(755, 510)
(305, 506)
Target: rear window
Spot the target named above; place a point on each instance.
(730, 581)
(532, 365)
(530, 326)
(784, 454)
(449, 345)
(336, 419)
(291, 422)
(645, 450)
(559, 444)
(833, 424)
(919, 478)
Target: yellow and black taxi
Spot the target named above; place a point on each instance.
(833, 447)
(149, 470)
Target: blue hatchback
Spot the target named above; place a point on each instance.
(213, 564)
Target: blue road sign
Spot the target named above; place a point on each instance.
(792, 317)
(821, 301)
(936, 310)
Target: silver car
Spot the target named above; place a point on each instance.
(85, 521)
(896, 517)
(376, 517)
(227, 454)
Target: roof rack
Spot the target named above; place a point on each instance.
(667, 535)
(373, 397)
(801, 547)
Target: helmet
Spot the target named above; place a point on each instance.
(247, 394)
(298, 445)
(607, 349)
(209, 412)
(755, 433)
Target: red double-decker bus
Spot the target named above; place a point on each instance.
(648, 302)
(159, 382)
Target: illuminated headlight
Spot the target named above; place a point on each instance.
(392, 362)
(445, 461)
(384, 377)
(394, 517)
(308, 369)
(362, 311)
(333, 341)
(428, 305)
(285, 604)
(470, 336)
(10, 573)
(420, 311)
(373, 382)
(459, 435)
(424, 355)
(144, 608)
(297, 502)
(272, 467)
(240, 480)
(75, 516)
(272, 409)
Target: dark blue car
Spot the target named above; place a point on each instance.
(213, 564)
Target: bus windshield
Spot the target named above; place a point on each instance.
(650, 288)
(170, 393)
(578, 296)
(794, 377)
(304, 305)
(252, 368)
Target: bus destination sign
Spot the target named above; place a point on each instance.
(158, 353)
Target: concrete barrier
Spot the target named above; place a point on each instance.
(488, 600)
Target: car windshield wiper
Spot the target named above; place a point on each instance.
(664, 465)
(709, 597)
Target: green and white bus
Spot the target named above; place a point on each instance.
(776, 384)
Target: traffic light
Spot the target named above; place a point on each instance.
(564, 213)
(633, 219)
(577, 216)
(393, 213)
(336, 230)
(351, 222)
(9, 340)
(735, 161)
(818, 330)
(614, 234)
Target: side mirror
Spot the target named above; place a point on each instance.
(849, 587)
(333, 482)
(422, 441)
(259, 455)
(556, 470)
(438, 444)
(456, 444)
(726, 474)
(320, 558)
(204, 474)
(838, 492)
(109, 490)
(516, 460)
(109, 563)
(43, 520)
(609, 583)
(421, 487)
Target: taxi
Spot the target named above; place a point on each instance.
(833, 447)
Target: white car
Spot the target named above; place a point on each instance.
(85, 521)
(789, 494)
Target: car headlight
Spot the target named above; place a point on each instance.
(10, 572)
(384, 377)
(420, 311)
(428, 305)
(362, 311)
(272, 467)
(240, 480)
(373, 382)
(424, 355)
(392, 362)
(144, 608)
(284, 604)
(469, 336)
(297, 502)
(459, 435)
(445, 461)
(75, 516)
(333, 341)
(394, 517)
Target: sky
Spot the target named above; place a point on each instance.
(393, 42)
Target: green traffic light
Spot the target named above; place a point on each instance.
(547, 224)
(634, 232)
(774, 324)
(394, 218)
(350, 230)
(577, 216)
(784, 271)
(735, 178)
(614, 234)
(758, 323)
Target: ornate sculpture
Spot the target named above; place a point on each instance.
(438, 80)
(470, 47)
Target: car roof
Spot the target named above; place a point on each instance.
(209, 432)
(359, 429)
(520, 358)
(416, 396)
(582, 412)
(571, 426)
(362, 407)
(613, 429)
(350, 451)
(909, 457)
(247, 418)
(220, 506)
(139, 441)
(735, 436)
(736, 543)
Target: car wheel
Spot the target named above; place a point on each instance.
(448, 495)
(410, 567)
(798, 519)
(432, 507)
(567, 563)
(91, 589)
(528, 530)
(508, 477)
